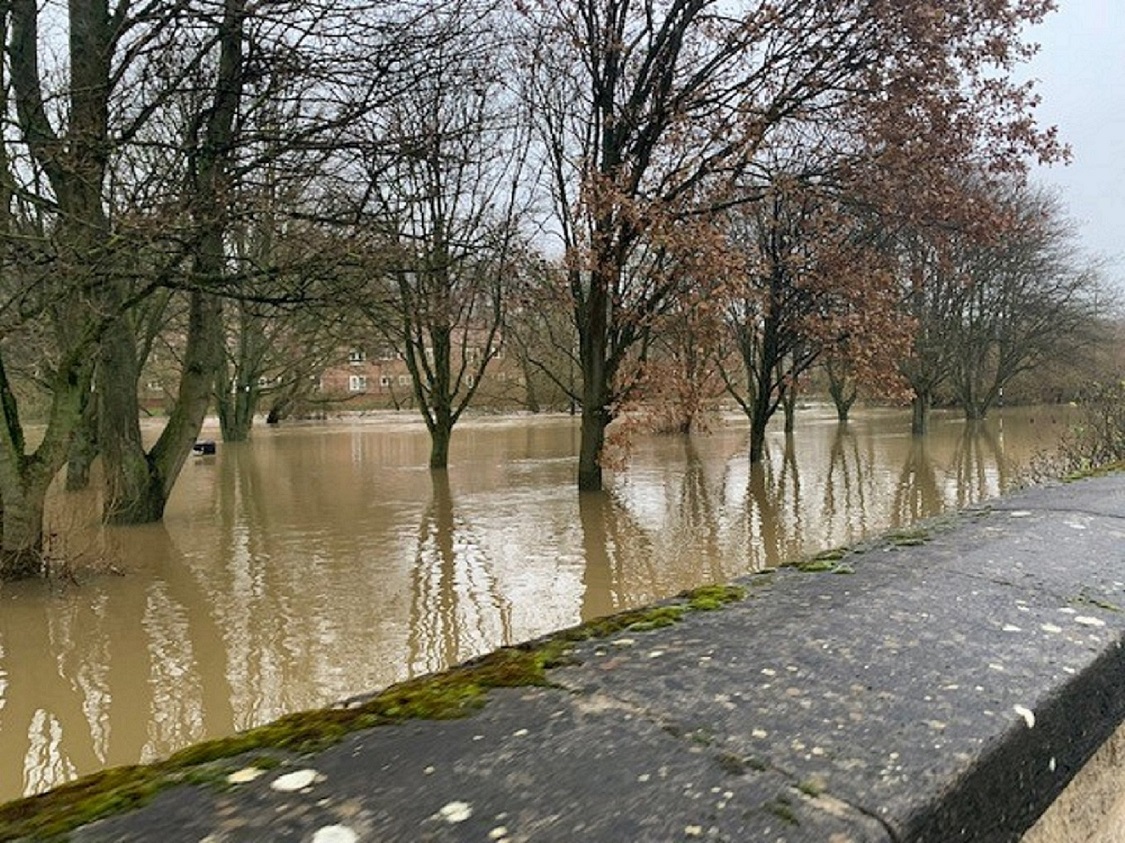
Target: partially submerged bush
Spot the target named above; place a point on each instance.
(1096, 442)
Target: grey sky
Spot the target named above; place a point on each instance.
(1081, 69)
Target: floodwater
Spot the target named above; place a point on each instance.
(321, 561)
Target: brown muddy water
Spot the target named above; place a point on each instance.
(320, 561)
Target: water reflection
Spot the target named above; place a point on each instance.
(456, 606)
(112, 673)
(319, 562)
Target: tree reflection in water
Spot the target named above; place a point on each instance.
(111, 673)
(456, 608)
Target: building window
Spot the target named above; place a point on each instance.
(384, 380)
(357, 383)
(356, 355)
(469, 381)
(404, 380)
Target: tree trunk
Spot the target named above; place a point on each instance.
(138, 484)
(593, 339)
(920, 413)
(236, 411)
(280, 409)
(594, 423)
(759, 418)
(201, 360)
(789, 404)
(843, 393)
(21, 552)
(129, 479)
(975, 411)
(24, 479)
(531, 399)
(440, 435)
(757, 442)
(237, 394)
(83, 450)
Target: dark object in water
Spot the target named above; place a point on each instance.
(204, 448)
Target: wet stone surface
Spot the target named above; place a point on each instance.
(940, 691)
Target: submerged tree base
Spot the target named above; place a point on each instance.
(21, 564)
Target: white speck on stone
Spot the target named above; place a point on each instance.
(429, 771)
(498, 833)
(998, 667)
(335, 834)
(643, 777)
(478, 737)
(1066, 610)
(1023, 609)
(1050, 627)
(624, 642)
(519, 733)
(655, 654)
(1027, 714)
(1019, 513)
(1051, 764)
(1074, 525)
(767, 671)
(297, 780)
(456, 812)
(817, 750)
(758, 733)
(246, 774)
(693, 831)
(1011, 627)
(1086, 620)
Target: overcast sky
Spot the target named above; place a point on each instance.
(1081, 69)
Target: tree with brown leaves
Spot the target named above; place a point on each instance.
(654, 114)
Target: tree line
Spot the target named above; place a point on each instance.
(647, 198)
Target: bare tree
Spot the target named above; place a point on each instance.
(1028, 296)
(445, 195)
